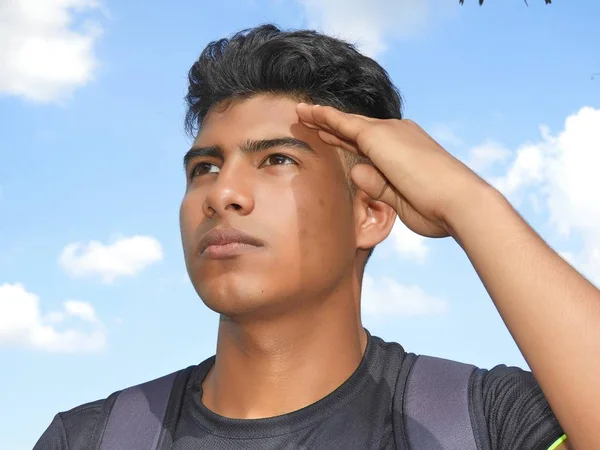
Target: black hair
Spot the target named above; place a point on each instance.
(301, 64)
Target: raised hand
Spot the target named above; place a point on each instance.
(411, 172)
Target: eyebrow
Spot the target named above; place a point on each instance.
(250, 146)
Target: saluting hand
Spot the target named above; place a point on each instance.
(411, 172)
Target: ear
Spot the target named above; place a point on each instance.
(373, 220)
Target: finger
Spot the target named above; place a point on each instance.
(346, 126)
(310, 125)
(316, 126)
(307, 119)
(335, 141)
(304, 112)
(368, 119)
(371, 181)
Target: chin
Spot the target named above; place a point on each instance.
(237, 299)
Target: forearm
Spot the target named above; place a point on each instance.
(551, 310)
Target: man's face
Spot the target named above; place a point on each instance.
(291, 198)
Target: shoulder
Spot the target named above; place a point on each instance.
(390, 354)
(75, 429)
(502, 408)
(514, 409)
(84, 425)
(505, 389)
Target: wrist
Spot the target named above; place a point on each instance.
(473, 211)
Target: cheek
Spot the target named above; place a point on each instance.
(313, 216)
(190, 216)
(324, 225)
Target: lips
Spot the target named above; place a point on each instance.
(224, 236)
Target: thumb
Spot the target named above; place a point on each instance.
(371, 181)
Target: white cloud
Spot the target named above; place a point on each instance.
(367, 23)
(562, 171)
(22, 323)
(43, 54)
(525, 171)
(124, 257)
(444, 133)
(486, 155)
(83, 310)
(408, 244)
(386, 297)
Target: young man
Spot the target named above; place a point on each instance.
(284, 203)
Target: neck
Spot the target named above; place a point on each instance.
(272, 367)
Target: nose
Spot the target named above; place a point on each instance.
(231, 192)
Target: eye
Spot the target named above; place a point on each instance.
(204, 168)
(277, 159)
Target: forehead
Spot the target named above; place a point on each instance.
(253, 118)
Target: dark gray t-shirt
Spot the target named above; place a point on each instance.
(507, 408)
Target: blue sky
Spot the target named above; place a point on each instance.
(93, 291)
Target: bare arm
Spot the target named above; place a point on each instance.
(550, 309)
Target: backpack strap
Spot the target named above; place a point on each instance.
(436, 405)
(136, 418)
